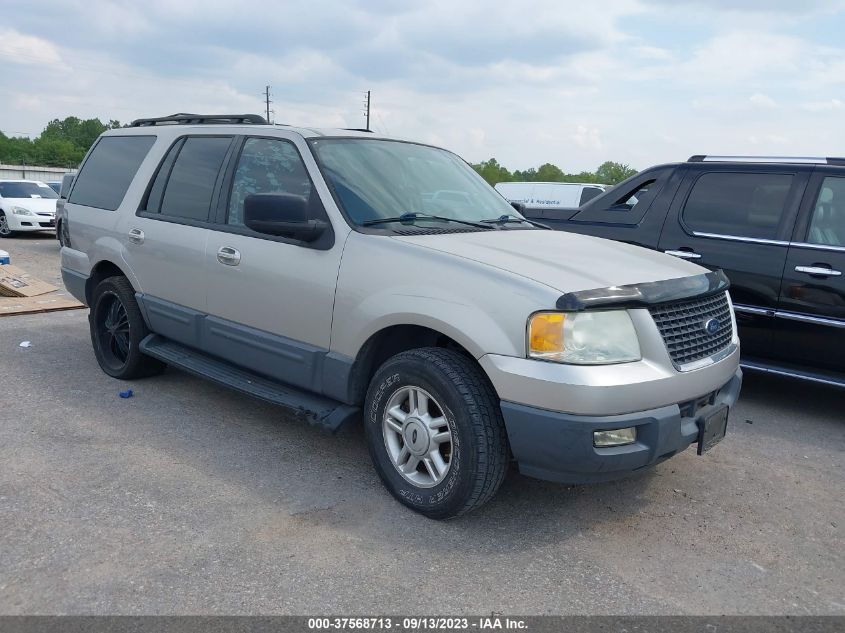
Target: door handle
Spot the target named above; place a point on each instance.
(229, 256)
(818, 270)
(683, 254)
(136, 236)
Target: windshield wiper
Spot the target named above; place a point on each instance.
(410, 217)
(507, 219)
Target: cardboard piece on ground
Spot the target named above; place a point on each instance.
(10, 306)
(16, 282)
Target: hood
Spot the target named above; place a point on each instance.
(33, 204)
(565, 261)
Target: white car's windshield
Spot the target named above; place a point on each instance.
(26, 190)
(376, 179)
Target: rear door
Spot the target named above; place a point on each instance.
(166, 238)
(739, 219)
(811, 323)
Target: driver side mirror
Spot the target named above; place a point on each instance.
(282, 214)
(519, 206)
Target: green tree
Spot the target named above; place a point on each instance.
(492, 171)
(611, 173)
(63, 143)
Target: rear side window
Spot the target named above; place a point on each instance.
(742, 205)
(191, 181)
(109, 170)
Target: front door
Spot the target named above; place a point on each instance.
(811, 323)
(270, 299)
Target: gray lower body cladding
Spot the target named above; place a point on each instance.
(559, 447)
(75, 283)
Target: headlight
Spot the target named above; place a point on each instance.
(21, 211)
(583, 338)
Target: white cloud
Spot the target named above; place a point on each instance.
(18, 48)
(823, 106)
(762, 101)
(587, 137)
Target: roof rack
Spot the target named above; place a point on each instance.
(183, 118)
(357, 129)
(804, 160)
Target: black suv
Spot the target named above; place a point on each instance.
(776, 226)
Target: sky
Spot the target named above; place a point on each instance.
(571, 83)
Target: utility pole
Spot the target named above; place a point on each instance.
(267, 102)
(368, 110)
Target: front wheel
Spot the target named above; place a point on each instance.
(435, 432)
(5, 231)
(117, 329)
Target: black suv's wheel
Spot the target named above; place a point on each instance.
(435, 432)
(117, 329)
(5, 231)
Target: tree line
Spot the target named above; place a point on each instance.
(608, 173)
(63, 143)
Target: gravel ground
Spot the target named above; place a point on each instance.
(189, 498)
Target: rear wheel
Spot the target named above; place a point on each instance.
(435, 432)
(117, 329)
(5, 231)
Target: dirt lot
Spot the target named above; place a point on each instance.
(189, 498)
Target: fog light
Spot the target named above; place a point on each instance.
(616, 437)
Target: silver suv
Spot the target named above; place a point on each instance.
(343, 275)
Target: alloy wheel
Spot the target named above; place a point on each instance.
(418, 436)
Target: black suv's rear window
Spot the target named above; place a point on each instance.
(109, 170)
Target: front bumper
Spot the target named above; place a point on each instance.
(559, 446)
(22, 223)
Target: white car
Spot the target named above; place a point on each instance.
(26, 205)
(542, 195)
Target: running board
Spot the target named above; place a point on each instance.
(314, 409)
(800, 373)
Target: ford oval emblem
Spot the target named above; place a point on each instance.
(712, 326)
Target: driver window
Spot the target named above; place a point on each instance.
(266, 166)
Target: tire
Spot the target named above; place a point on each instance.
(5, 231)
(466, 432)
(117, 329)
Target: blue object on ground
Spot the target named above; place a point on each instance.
(4, 258)
(126, 394)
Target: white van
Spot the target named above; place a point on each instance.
(539, 195)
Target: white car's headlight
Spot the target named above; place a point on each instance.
(583, 338)
(21, 211)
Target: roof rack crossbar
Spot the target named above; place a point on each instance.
(804, 160)
(184, 118)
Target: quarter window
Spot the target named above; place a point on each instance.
(190, 186)
(827, 226)
(109, 170)
(744, 205)
(266, 166)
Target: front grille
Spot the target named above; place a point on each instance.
(682, 325)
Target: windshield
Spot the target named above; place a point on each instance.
(26, 190)
(375, 179)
